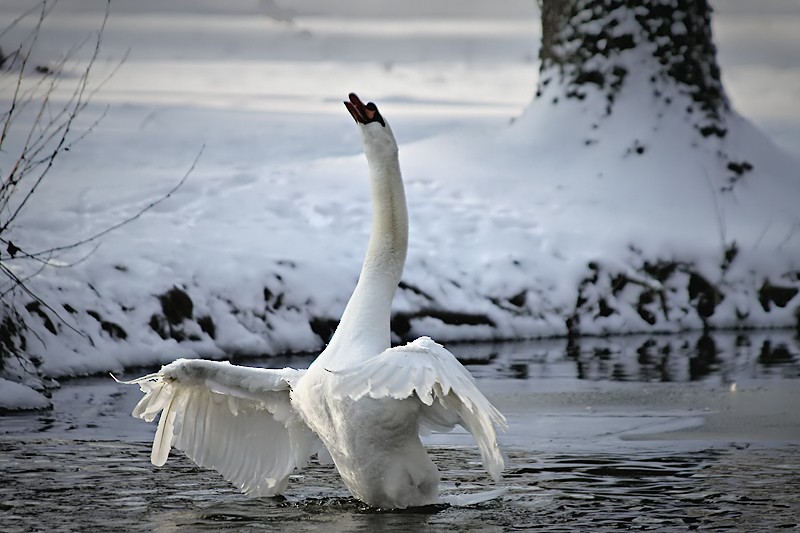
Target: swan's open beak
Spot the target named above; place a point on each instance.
(363, 113)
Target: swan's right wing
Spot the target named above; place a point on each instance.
(428, 371)
(236, 420)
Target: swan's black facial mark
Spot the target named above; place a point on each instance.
(363, 113)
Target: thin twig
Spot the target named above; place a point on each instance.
(128, 220)
(23, 280)
(721, 224)
(50, 133)
(25, 58)
(30, 293)
(22, 254)
(26, 13)
(79, 105)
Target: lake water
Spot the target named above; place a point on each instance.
(669, 433)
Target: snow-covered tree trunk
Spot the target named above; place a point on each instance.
(596, 43)
(630, 108)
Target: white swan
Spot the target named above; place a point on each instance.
(361, 403)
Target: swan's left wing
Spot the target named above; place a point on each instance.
(237, 420)
(435, 376)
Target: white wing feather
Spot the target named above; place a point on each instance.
(237, 420)
(428, 370)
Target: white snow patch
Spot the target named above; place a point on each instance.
(15, 395)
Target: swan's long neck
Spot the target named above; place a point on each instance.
(364, 329)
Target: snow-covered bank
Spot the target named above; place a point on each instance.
(14, 395)
(515, 231)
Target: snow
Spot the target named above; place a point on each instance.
(267, 234)
(15, 395)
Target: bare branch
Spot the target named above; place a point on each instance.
(25, 58)
(22, 280)
(128, 220)
(77, 103)
(37, 256)
(50, 134)
(48, 261)
(20, 283)
(24, 15)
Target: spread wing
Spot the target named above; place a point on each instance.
(441, 383)
(235, 419)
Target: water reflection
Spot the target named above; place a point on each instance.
(722, 357)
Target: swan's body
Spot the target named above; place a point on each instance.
(361, 403)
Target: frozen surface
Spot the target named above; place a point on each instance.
(266, 236)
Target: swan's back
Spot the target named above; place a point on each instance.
(374, 443)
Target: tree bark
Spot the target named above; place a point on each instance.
(597, 44)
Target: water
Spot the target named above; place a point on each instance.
(57, 485)
(643, 434)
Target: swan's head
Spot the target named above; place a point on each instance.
(375, 132)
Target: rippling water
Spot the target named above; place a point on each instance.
(61, 485)
(661, 434)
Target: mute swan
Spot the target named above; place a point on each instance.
(360, 403)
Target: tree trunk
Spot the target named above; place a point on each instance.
(591, 45)
(634, 142)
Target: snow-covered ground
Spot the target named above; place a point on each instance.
(258, 251)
